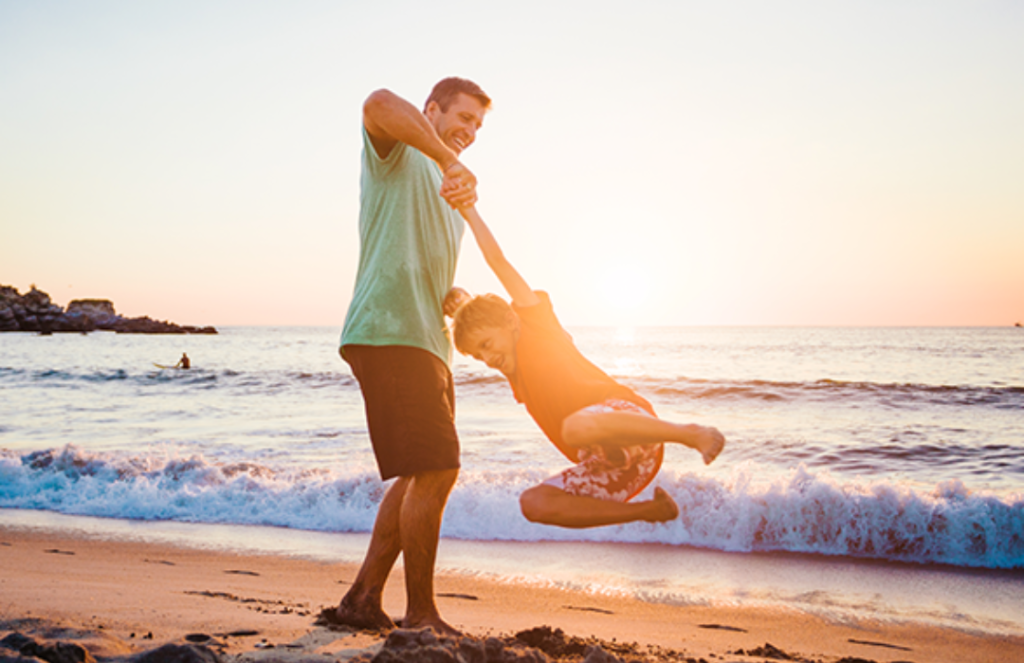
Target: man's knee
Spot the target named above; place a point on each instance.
(436, 481)
(442, 476)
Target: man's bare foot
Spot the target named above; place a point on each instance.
(663, 507)
(441, 627)
(711, 444)
(367, 617)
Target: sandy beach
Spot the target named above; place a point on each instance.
(118, 598)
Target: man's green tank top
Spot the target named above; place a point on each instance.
(409, 244)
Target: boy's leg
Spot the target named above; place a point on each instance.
(597, 490)
(553, 506)
(617, 428)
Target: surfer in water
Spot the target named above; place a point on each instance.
(607, 429)
(184, 362)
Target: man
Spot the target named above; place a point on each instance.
(395, 338)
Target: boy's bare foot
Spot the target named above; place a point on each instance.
(711, 444)
(663, 507)
(368, 617)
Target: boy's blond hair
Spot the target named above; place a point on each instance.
(481, 312)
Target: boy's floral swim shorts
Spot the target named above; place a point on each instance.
(616, 475)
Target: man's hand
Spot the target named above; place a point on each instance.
(459, 186)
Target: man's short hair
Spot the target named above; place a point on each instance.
(481, 312)
(448, 89)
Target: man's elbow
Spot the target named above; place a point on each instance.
(378, 102)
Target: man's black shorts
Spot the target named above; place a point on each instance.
(410, 408)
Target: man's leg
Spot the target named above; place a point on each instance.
(409, 397)
(625, 429)
(361, 606)
(422, 511)
(553, 506)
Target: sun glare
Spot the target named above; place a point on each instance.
(624, 293)
(625, 335)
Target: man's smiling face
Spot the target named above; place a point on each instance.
(458, 125)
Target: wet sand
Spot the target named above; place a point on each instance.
(119, 597)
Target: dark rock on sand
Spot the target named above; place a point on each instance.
(171, 653)
(598, 655)
(553, 642)
(60, 652)
(34, 312)
(198, 637)
(767, 651)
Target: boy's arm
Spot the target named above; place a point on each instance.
(515, 285)
(390, 119)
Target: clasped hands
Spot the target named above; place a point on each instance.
(459, 186)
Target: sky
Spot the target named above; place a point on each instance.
(645, 162)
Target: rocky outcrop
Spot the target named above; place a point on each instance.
(34, 312)
(28, 650)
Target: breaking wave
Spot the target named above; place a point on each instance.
(803, 512)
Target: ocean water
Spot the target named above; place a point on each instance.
(854, 451)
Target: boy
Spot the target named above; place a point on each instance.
(609, 430)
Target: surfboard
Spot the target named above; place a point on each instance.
(162, 365)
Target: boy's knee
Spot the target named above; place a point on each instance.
(533, 505)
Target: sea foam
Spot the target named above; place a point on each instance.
(803, 512)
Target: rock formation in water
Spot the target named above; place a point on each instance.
(34, 312)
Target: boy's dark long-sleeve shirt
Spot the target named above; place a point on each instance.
(553, 379)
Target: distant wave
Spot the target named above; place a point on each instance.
(470, 383)
(804, 512)
(220, 378)
(892, 394)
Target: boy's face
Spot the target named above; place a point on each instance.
(494, 346)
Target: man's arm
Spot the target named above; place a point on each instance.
(389, 120)
(515, 285)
